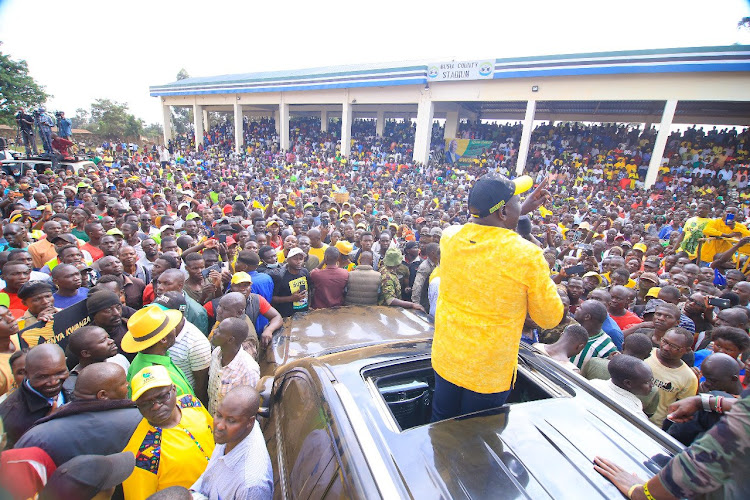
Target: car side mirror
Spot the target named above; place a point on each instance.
(265, 388)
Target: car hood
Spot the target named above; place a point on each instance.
(543, 449)
(328, 330)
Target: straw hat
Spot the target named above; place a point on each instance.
(148, 326)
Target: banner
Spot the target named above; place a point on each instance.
(59, 329)
(464, 150)
(461, 70)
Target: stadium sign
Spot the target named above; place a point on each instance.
(461, 70)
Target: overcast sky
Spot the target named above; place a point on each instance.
(87, 49)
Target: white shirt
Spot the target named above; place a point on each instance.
(244, 473)
(191, 351)
(624, 398)
(242, 370)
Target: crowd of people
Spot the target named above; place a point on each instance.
(185, 259)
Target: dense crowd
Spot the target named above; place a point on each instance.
(189, 257)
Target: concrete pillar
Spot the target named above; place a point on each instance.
(283, 125)
(324, 121)
(206, 122)
(661, 142)
(380, 123)
(423, 135)
(346, 127)
(198, 123)
(523, 148)
(451, 124)
(167, 113)
(239, 137)
(276, 120)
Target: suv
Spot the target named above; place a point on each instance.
(353, 421)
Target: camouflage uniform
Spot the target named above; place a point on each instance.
(390, 286)
(716, 465)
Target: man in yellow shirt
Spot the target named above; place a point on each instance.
(490, 278)
(692, 231)
(173, 442)
(718, 229)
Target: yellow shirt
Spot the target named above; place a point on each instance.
(712, 246)
(170, 457)
(318, 252)
(489, 278)
(672, 384)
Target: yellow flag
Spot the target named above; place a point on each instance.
(256, 204)
(544, 212)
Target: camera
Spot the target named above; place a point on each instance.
(58, 114)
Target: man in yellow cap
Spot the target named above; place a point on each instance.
(174, 441)
(151, 332)
(490, 279)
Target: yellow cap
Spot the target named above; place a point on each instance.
(150, 377)
(241, 277)
(653, 292)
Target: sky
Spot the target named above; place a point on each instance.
(82, 50)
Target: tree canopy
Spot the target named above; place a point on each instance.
(17, 89)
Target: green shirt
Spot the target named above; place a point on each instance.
(80, 235)
(142, 360)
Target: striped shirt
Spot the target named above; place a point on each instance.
(242, 370)
(191, 351)
(598, 346)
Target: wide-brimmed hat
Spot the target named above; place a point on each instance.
(148, 326)
(393, 257)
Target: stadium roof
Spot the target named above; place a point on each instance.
(678, 60)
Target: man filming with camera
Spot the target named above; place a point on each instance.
(26, 130)
(64, 126)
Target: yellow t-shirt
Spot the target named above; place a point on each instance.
(170, 457)
(672, 384)
(490, 277)
(318, 252)
(712, 246)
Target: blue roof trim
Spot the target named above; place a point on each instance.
(321, 86)
(630, 69)
(684, 59)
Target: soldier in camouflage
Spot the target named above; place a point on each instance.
(716, 465)
(390, 284)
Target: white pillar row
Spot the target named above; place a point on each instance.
(346, 127)
(167, 114)
(523, 148)
(380, 123)
(661, 142)
(423, 135)
(451, 124)
(239, 137)
(198, 123)
(276, 120)
(324, 120)
(206, 122)
(283, 124)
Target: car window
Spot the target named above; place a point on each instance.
(309, 456)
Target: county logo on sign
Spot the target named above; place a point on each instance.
(485, 69)
(432, 71)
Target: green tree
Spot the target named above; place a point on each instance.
(18, 89)
(182, 117)
(111, 119)
(81, 119)
(154, 131)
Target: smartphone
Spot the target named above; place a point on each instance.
(729, 218)
(208, 270)
(720, 303)
(579, 269)
(222, 238)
